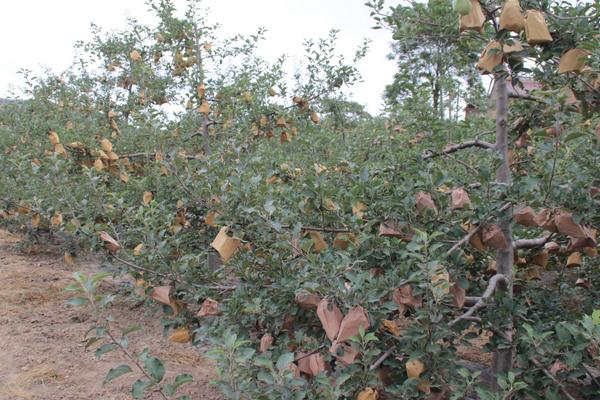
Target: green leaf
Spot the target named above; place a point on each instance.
(139, 388)
(284, 360)
(171, 388)
(105, 348)
(117, 372)
(155, 368)
(73, 288)
(596, 317)
(77, 301)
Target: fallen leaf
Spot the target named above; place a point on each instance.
(342, 241)
(181, 335)
(111, 244)
(391, 327)
(368, 394)
(414, 369)
(147, 198)
(319, 244)
(137, 250)
(359, 209)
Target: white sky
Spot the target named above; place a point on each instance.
(42, 33)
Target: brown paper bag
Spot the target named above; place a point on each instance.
(474, 20)
(572, 61)
(331, 318)
(536, 29)
(511, 18)
(514, 47)
(226, 245)
(490, 58)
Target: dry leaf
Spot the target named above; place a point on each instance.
(389, 228)
(111, 244)
(124, 177)
(368, 394)
(57, 219)
(403, 296)
(59, 149)
(331, 318)
(210, 218)
(460, 198)
(209, 307)
(137, 250)
(147, 198)
(458, 293)
(590, 251)
(424, 202)
(342, 241)
(266, 342)
(225, 245)
(135, 55)
(98, 165)
(69, 258)
(311, 365)
(319, 244)
(281, 123)
(414, 369)
(541, 258)
(181, 335)
(330, 205)
(391, 327)
(53, 137)
(35, 220)
(359, 209)
(106, 145)
(314, 117)
(204, 108)
(356, 317)
(441, 280)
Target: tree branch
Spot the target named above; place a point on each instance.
(489, 291)
(469, 235)
(455, 147)
(549, 375)
(530, 243)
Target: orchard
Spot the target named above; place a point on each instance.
(314, 251)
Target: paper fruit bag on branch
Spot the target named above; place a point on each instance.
(474, 20)
(490, 58)
(511, 18)
(536, 29)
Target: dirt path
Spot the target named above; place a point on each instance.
(41, 351)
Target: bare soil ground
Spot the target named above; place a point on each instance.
(42, 355)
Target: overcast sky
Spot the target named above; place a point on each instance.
(41, 33)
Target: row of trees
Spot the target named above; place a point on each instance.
(321, 252)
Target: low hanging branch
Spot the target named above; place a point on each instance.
(456, 147)
(531, 243)
(489, 291)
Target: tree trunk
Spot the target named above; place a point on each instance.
(502, 358)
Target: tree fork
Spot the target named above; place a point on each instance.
(502, 358)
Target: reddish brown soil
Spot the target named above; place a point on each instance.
(42, 355)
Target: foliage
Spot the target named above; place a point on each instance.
(323, 200)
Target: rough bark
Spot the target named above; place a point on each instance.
(502, 358)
